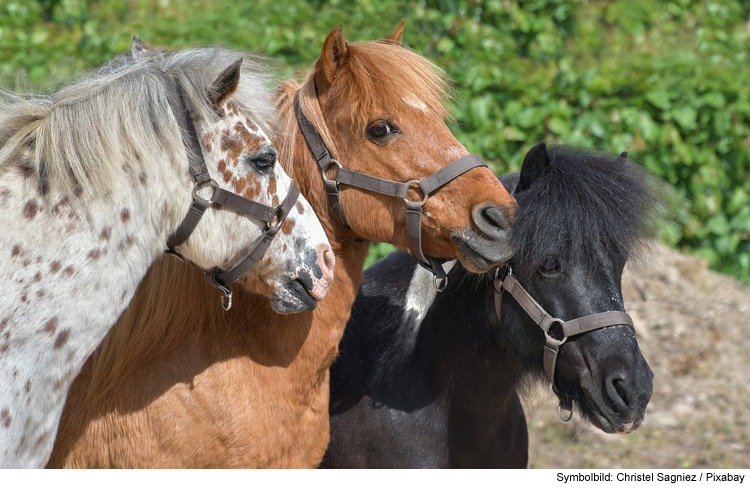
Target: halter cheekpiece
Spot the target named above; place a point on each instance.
(504, 281)
(272, 216)
(424, 188)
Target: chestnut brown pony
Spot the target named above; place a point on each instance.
(181, 383)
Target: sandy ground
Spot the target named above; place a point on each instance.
(693, 326)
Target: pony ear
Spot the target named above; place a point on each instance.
(138, 47)
(624, 155)
(225, 84)
(397, 35)
(331, 58)
(534, 164)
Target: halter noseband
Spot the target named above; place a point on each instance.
(424, 187)
(544, 320)
(272, 216)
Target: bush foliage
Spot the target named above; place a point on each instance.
(667, 81)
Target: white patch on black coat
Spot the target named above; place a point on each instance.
(420, 295)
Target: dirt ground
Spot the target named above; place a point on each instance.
(693, 326)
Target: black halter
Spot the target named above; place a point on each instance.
(363, 181)
(272, 216)
(504, 281)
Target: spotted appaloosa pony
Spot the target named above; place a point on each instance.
(250, 389)
(428, 380)
(93, 180)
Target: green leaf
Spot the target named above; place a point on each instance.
(512, 109)
(718, 224)
(514, 134)
(659, 99)
(648, 128)
(685, 117)
(560, 127)
(530, 117)
(715, 100)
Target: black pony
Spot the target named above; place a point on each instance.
(428, 379)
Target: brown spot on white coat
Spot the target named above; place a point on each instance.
(62, 338)
(50, 326)
(30, 209)
(5, 418)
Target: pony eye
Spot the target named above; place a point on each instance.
(381, 129)
(264, 161)
(549, 265)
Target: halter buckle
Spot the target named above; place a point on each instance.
(422, 192)
(276, 221)
(214, 189)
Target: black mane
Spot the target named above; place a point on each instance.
(585, 204)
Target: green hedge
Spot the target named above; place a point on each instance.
(667, 81)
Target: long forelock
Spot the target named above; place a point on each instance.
(380, 75)
(86, 137)
(587, 205)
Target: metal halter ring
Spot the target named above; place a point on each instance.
(339, 168)
(214, 189)
(419, 184)
(559, 414)
(546, 333)
(439, 287)
(226, 299)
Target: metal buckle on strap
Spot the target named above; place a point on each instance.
(277, 221)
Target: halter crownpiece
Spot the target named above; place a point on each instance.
(544, 320)
(424, 187)
(273, 216)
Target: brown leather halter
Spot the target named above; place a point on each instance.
(545, 321)
(424, 188)
(272, 216)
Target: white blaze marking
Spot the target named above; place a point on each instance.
(417, 104)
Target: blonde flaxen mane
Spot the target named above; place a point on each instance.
(118, 116)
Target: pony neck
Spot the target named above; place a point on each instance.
(73, 266)
(471, 364)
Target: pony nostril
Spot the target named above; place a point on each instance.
(618, 394)
(326, 262)
(322, 273)
(492, 219)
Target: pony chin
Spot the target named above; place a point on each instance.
(289, 301)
